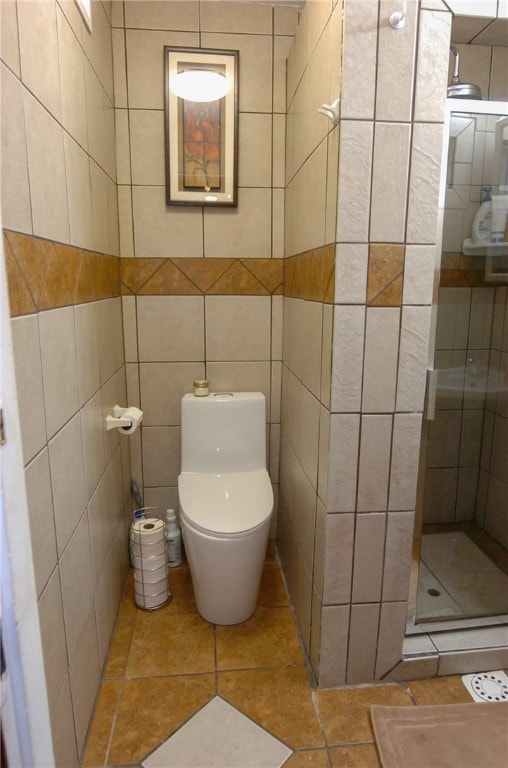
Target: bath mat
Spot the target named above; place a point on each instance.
(442, 736)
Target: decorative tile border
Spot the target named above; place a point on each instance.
(201, 276)
(311, 275)
(386, 267)
(42, 274)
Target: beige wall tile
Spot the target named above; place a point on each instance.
(145, 66)
(67, 481)
(99, 521)
(432, 65)
(109, 590)
(165, 231)
(156, 15)
(332, 185)
(299, 54)
(170, 328)
(237, 328)
(77, 169)
(308, 446)
(338, 562)
(147, 146)
(99, 183)
(320, 12)
(162, 387)
(419, 266)
(9, 35)
(285, 19)
(123, 150)
(40, 510)
(46, 166)
(389, 182)
(53, 637)
(117, 15)
(240, 377)
(119, 65)
(111, 352)
(395, 67)
(380, 361)
(276, 332)
(224, 16)
(368, 559)
(85, 675)
(326, 355)
(334, 645)
(374, 463)
(92, 427)
(316, 126)
(399, 538)
(161, 455)
(30, 392)
(98, 47)
(305, 338)
(276, 384)
(344, 442)
(76, 581)
(278, 223)
(281, 47)
(310, 212)
(480, 321)
(415, 331)
(424, 183)
(244, 231)
(255, 142)
(355, 163)
(279, 138)
(405, 455)
(87, 350)
(72, 81)
(392, 624)
(38, 41)
(324, 437)
(16, 211)
(130, 328)
(62, 728)
(360, 44)
(498, 87)
(126, 231)
(256, 70)
(362, 643)
(59, 366)
(347, 358)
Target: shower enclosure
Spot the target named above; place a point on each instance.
(460, 553)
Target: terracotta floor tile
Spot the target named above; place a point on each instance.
(119, 647)
(165, 643)
(98, 736)
(345, 712)
(272, 592)
(308, 758)
(180, 586)
(358, 756)
(151, 709)
(267, 639)
(278, 699)
(440, 690)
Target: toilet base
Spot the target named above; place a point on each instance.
(226, 572)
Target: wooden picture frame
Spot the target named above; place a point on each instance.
(201, 137)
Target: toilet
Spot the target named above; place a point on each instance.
(226, 501)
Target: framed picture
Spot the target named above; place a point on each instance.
(201, 126)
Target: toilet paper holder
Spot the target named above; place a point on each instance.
(124, 419)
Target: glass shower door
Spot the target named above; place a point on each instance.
(463, 553)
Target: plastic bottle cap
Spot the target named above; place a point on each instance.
(200, 387)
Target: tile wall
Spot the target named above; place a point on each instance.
(201, 287)
(347, 539)
(61, 245)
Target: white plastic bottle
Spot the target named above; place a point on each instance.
(482, 222)
(173, 539)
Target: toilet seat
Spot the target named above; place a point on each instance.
(229, 503)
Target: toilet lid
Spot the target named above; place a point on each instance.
(232, 502)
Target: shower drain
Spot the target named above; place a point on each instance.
(487, 686)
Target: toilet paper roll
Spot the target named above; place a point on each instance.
(147, 531)
(135, 416)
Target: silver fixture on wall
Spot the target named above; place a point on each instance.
(458, 90)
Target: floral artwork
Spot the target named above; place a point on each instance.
(202, 136)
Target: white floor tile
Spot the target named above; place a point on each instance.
(218, 736)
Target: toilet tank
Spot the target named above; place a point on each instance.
(224, 432)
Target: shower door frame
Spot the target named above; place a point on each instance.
(414, 626)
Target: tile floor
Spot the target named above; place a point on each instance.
(164, 666)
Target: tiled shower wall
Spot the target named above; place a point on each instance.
(61, 246)
(201, 286)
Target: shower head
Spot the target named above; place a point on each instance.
(458, 90)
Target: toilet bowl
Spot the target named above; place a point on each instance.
(226, 501)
